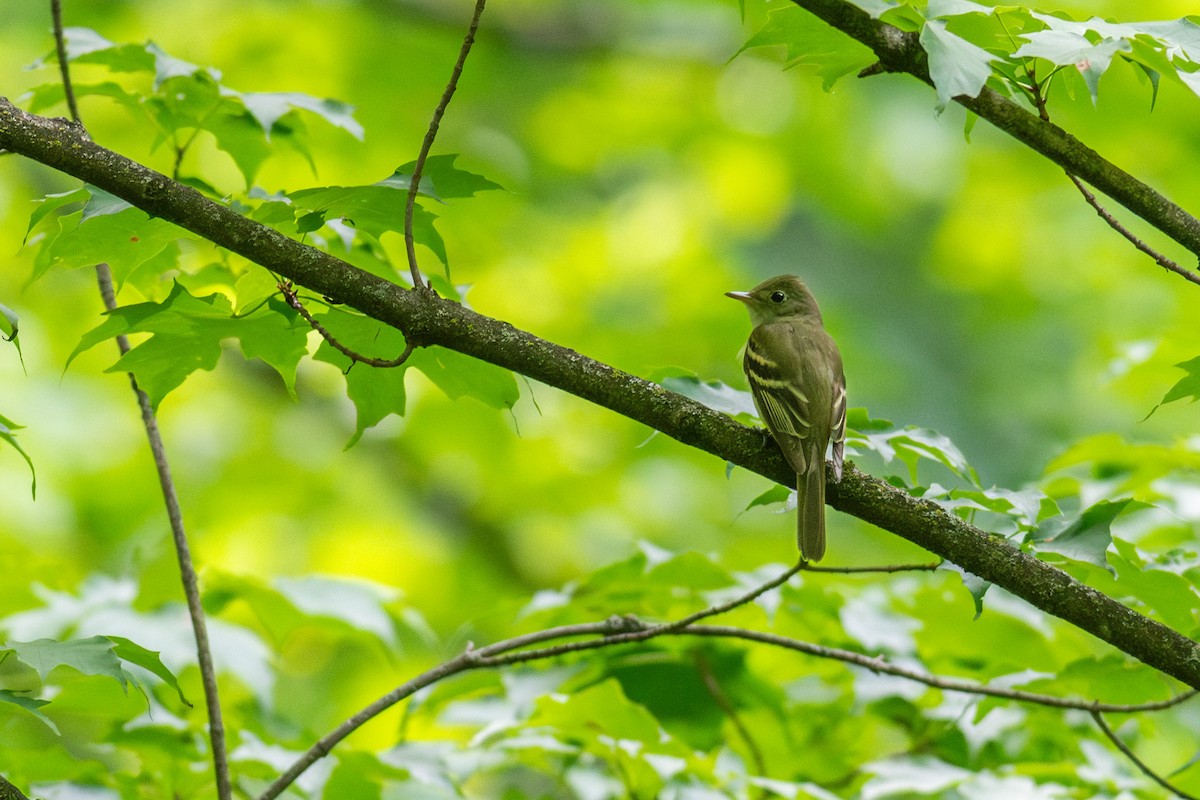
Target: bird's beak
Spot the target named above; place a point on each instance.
(743, 296)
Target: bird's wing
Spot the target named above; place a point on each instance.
(777, 382)
(838, 422)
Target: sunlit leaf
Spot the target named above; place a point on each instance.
(188, 332)
(1186, 388)
(976, 586)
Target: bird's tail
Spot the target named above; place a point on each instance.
(810, 515)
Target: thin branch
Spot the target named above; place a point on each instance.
(60, 47)
(1124, 748)
(289, 294)
(187, 571)
(886, 568)
(1037, 91)
(430, 135)
(476, 658)
(1116, 225)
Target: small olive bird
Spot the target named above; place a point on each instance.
(795, 374)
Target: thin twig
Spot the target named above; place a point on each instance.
(60, 47)
(289, 294)
(1037, 93)
(430, 135)
(1115, 224)
(187, 571)
(615, 628)
(886, 568)
(1124, 748)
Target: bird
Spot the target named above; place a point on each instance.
(799, 387)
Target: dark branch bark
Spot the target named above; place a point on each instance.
(433, 321)
(901, 52)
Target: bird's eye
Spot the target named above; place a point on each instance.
(778, 297)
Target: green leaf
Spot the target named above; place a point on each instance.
(811, 42)
(92, 656)
(956, 66)
(714, 394)
(937, 9)
(1065, 48)
(1173, 597)
(976, 586)
(1187, 387)
(267, 108)
(10, 325)
(30, 704)
(778, 493)
(188, 332)
(84, 45)
(358, 603)
(53, 202)
(375, 210)
(124, 238)
(376, 393)
(8, 430)
(876, 8)
(440, 179)
(460, 375)
(1084, 537)
(909, 445)
(148, 660)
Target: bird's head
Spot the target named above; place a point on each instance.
(781, 297)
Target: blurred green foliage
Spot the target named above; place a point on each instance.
(647, 170)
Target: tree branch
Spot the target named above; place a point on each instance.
(1128, 753)
(436, 321)
(10, 792)
(901, 52)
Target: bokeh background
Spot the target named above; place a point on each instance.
(648, 169)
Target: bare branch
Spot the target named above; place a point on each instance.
(1116, 225)
(293, 300)
(60, 47)
(886, 568)
(430, 135)
(1124, 748)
